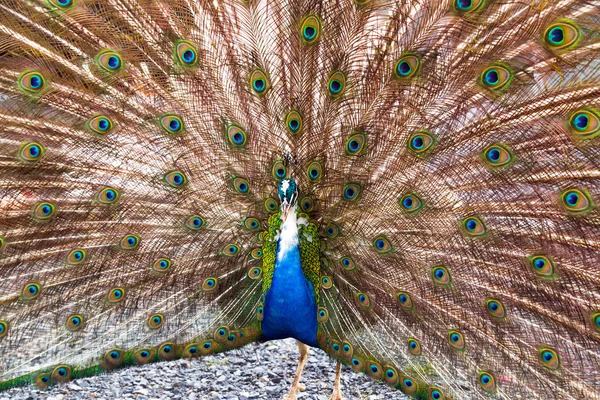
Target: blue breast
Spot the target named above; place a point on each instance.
(290, 307)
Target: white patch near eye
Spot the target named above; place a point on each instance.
(285, 184)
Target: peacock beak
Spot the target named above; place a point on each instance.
(285, 208)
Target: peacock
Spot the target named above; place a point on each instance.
(409, 185)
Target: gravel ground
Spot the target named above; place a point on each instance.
(261, 371)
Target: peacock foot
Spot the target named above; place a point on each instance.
(336, 395)
(292, 393)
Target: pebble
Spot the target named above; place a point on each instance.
(257, 371)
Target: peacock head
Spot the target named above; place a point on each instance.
(288, 196)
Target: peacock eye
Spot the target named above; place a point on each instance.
(435, 393)
(162, 264)
(76, 256)
(351, 191)
(585, 123)
(44, 211)
(259, 81)
(31, 152)
(256, 254)
(414, 347)
(116, 294)
(577, 201)
(241, 185)
(175, 178)
(405, 300)
(293, 121)
(362, 299)
(195, 222)
(411, 203)
(561, 35)
(236, 136)
(221, 334)
(326, 282)
(473, 226)
(495, 308)
(3, 328)
(230, 249)
(270, 204)
(31, 82)
(61, 4)
(497, 155)
(456, 340)
(441, 275)
(108, 195)
(100, 124)
(167, 351)
(467, 6)
(542, 266)
(332, 230)
(74, 322)
(130, 242)
(307, 204)
(322, 315)
(549, 358)
(407, 66)
(210, 284)
(109, 61)
(382, 245)
(487, 382)
(155, 321)
(496, 77)
(251, 223)
(31, 291)
(185, 53)
(336, 84)
(60, 374)
(143, 356)
(595, 319)
(348, 263)
(421, 142)
(279, 170)
(409, 386)
(314, 171)
(356, 144)
(310, 29)
(255, 273)
(171, 124)
(375, 370)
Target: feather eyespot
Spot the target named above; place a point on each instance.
(195, 222)
(326, 282)
(595, 319)
(270, 205)
(162, 264)
(236, 136)
(279, 170)
(31, 291)
(61, 374)
(256, 254)
(206, 347)
(441, 275)
(577, 201)
(175, 178)
(486, 381)
(113, 358)
(362, 299)
(351, 191)
(357, 364)
(255, 273)
(414, 347)
(108, 195)
(473, 226)
(259, 81)
(221, 334)
(230, 249)
(31, 82)
(390, 375)
(382, 245)
(496, 77)
(456, 340)
(411, 203)
(115, 295)
(436, 393)
(251, 223)
(62, 4)
(143, 356)
(44, 211)
(185, 53)
(109, 61)
(260, 312)
(314, 171)
(167, 351)
(100, 124)
(293, 121)
(497, 156)
(322, 315)
(74, 322)
(374, 370)
(561, 35)
(332, 230)
(421, 142)
(171, 124)
(336, 84)
(76, 256)
(356, 144)
(407, 66)
(210, 284)
(542, 266)
(130, 242)
(408, 386)
(495, 308)
(42, 381)
(585, 123)
(307, 204)
(241, 185)
(467, 6)
(549, 358)
(324, 262)
(347, 350)
(405, 300)
(3, 328)
(31, 152)
(348, 263)
(155, 321)
(310, 29)
(191, 351)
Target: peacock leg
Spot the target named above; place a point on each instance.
(337, 392)
(303, 349)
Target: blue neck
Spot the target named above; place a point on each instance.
(290, 307)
